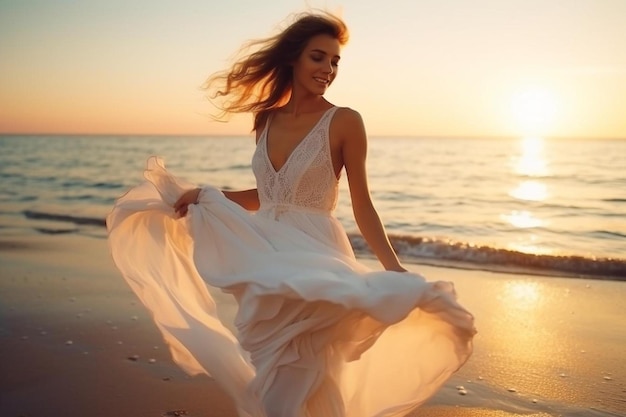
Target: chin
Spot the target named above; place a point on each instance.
(322, 89)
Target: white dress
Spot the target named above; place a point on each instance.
(317, 333)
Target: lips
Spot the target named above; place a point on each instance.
(321, 80)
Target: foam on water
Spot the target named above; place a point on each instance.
(423, 249)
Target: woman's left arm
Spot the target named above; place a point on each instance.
(354, 153)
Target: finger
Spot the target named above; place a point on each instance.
(179, 205)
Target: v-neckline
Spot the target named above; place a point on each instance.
(293, 151)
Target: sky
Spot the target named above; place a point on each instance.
(551, 68)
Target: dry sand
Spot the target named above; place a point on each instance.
(74, 342)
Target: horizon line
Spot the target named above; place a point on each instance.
(240, 135)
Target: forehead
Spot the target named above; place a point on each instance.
(324, 43)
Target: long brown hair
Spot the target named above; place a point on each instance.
(262, 80)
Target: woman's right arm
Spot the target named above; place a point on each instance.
(248, 199)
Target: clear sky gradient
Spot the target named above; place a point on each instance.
(412, 67)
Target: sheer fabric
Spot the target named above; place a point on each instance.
(316, 332)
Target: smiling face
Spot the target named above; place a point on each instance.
(316, 68)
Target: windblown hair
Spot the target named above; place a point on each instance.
(263, 80)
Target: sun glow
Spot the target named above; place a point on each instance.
(534, 110)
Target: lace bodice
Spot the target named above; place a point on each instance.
(306, 181)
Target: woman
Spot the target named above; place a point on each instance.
(317, 333)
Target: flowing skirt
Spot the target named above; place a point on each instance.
(316, 332)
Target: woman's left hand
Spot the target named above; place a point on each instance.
(181, 206)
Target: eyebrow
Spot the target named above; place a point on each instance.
(324, 52)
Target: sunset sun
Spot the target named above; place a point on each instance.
(534, 110)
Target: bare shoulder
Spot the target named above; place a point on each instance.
(348, 122)
(346, 115)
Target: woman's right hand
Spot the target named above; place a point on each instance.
(181, 206)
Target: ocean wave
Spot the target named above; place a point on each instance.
(37, 215)
(87, 184)
(50, 231)
(234, 167)
(108, 185)
(487, 257)
(420, 249)
(608, 233)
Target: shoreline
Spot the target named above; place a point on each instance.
(69, 324)
(430, 251)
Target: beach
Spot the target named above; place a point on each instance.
(495, 159)
(75, 341)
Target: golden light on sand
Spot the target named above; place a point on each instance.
(534, 110)
(522, 294)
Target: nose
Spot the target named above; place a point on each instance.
(329, 68)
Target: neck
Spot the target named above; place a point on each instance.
(299, 104)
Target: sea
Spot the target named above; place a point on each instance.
(537, 205)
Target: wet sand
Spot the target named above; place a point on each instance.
(75, 342)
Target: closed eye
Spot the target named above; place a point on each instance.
(318, 55)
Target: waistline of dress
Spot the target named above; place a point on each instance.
(277, 209)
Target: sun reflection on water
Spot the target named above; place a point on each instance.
(530, 191)
(522, 219)
(532, 162)
(530, 244)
